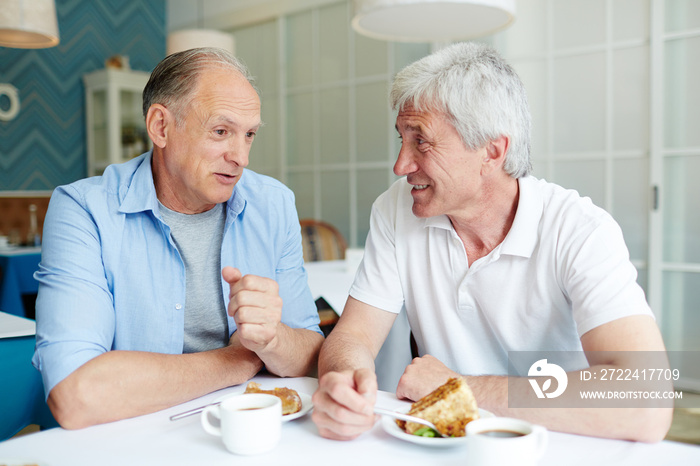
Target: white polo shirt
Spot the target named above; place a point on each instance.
(562, 270)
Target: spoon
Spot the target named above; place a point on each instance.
(407, 417)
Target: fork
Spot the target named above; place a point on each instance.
(407, 417)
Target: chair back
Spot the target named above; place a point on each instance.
(321, 241)
(22, 390)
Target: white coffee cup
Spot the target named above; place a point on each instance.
(502, 440)
(249, 423)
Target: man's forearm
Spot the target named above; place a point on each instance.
(294, 353)
(123, 384)
(342, 352)
(356, 339)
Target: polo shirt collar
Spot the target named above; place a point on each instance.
(440, 221)
(521, 240)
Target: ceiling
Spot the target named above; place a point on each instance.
(228, 14)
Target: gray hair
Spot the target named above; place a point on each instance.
(174, 79)
(480, 94)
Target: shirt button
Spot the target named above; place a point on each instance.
(178, 306)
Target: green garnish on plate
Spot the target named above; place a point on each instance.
(426, 432)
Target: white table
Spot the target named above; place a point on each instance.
(332, 281)
(155, 440)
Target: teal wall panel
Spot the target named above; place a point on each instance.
(44, 146)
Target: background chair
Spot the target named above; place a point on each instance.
(322, 241)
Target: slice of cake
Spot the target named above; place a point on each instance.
(450, 407)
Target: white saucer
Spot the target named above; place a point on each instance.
(306, 405)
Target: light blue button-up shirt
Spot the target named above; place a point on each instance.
(111, 278)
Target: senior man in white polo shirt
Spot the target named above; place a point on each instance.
(485, 258)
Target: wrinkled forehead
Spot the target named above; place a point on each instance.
(423, 105)
(411, 115)
(228, 84)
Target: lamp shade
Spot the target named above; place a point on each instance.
(431, 20)
(28, 24)
(192, 38)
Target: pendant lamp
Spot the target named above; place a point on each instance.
(191, 38)
(28, 24)
(431, 20)
(186, 39)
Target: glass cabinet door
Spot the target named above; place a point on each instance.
(134, 139)
(116, 131)
(99, 127)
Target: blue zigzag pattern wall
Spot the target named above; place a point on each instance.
(44, 146)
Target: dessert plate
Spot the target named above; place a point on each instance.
(306, 405)
(390, 427)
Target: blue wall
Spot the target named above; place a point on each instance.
(44, 146)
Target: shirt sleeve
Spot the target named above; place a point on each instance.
(378, 282)
(299, 309)
(74, 308)
(599, 278)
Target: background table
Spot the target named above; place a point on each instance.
(17, 267)
(155, 440)
(21, 389)
(331, 280)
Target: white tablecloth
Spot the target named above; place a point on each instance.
(331, 280)
(155, 440)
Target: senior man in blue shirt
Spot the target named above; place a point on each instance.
(134, 311)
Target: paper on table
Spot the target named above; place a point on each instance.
(14, 326)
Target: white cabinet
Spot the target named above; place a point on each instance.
(116, 130)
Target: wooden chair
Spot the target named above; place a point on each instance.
(322, 241)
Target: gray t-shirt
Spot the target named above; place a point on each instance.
(198, 239)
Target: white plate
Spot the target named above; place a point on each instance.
(389, 425)
(306, 405)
